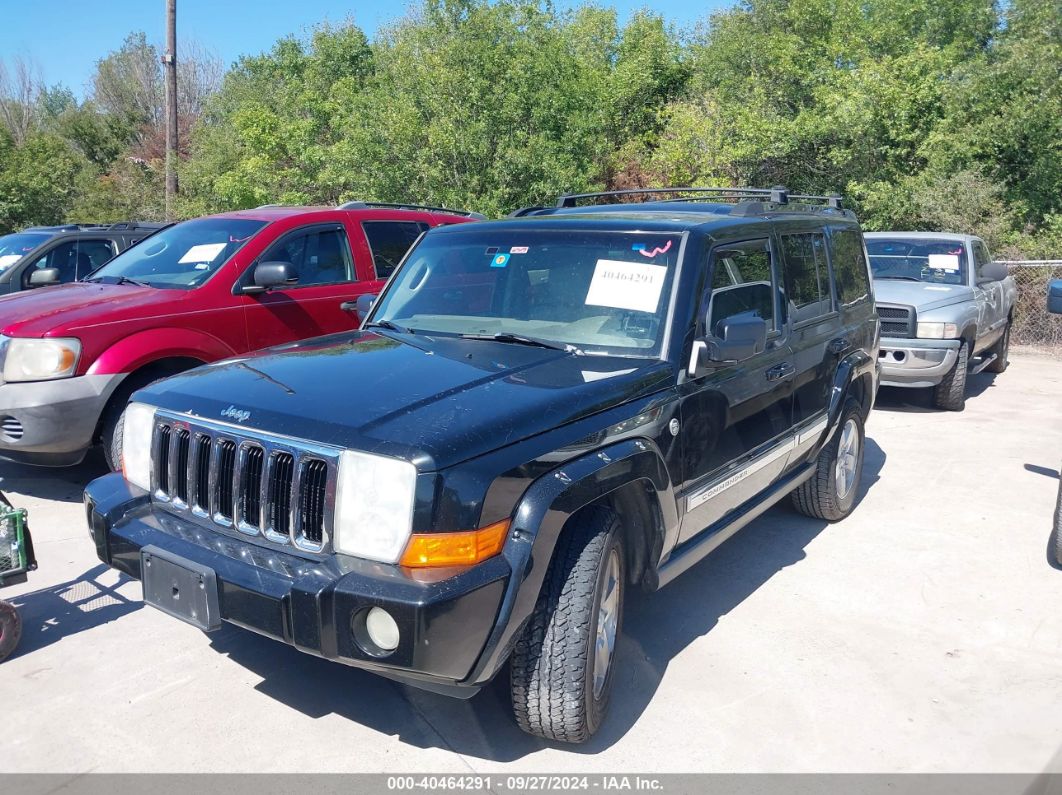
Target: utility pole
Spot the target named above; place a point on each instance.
(169, 61)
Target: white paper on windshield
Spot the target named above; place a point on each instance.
(202, 253)
(9, 259)
(944, 262)
(626, 285)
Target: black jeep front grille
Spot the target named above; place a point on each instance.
(897, 321)
(257, 485)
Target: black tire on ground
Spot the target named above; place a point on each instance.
(557, 690)
(10, 629)
(824, 495)
(1002, 351)
(950, 393)
(1058, 524)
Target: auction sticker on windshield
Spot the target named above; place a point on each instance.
(205, 252)
(944, 262)
(626, 285)
(9, 259)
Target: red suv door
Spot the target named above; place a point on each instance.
(328, 277)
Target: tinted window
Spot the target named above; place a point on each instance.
(849, 266)
(603, 292)
(981, 256)
(389, 241)
(320, 256)
(743, 283)
(74, 259)
(15, 247)
(807, 276)
(182, 256)
(918, 259)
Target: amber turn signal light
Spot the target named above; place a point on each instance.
(455, 549)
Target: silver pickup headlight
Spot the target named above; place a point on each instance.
(374, 506)
(136, 444)
(937, 331)
(27, 359)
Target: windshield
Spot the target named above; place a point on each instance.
(602, 292)
(15, 247)
(918, 259)
(183, 256)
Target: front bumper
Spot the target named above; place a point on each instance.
(52, 423)
(444, 618)
(915, 362)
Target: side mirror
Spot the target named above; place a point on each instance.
(994, 272)
(364, 304)
(44, 277)
(268, 275)
(1054, 296)
(742, 337)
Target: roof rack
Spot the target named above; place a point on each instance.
(776, 195)
(359, 205)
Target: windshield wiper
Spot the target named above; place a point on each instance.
(900, 278)
(519, 339)
(117, 280)
(387, 324)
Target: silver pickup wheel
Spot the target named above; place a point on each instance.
(1002, 351)
(950, 393)
(1058, 525)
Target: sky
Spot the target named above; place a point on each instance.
(65, 38)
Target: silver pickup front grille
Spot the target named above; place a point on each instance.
(257, 484)
(897, 321)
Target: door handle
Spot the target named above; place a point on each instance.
(349, 306)
(837, 346)
(780, 371)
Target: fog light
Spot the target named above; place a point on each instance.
(382, 629)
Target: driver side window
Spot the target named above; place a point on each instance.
(319, 255)
(743, 282)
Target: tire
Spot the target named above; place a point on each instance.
(10, 629)
(1002, 351)
(950, 393)
(1058, 526)
(831, 492)
(560, 684)
(113, 424)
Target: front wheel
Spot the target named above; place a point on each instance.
(1058, 525)
(950, 393)
(10, 629)
(563, 664)
(830, 493)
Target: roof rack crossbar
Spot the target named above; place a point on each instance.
(779, 194)
(360, 205)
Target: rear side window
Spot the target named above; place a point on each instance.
(742, 284)
(849, 266)
(389, 241)
(807, 276)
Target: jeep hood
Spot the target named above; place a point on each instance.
(55, 311)
(921, 295)
(436, 401)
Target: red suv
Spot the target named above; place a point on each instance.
(198, 291)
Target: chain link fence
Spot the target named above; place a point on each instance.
(1034, 328)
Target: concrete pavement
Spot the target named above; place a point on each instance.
(923, 633)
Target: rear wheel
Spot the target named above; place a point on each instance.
(563, 665)
(10, 629)
(1058, 525)
(831, 492)
(950, 393)
(1002, 351)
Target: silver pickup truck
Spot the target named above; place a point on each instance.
(945, 310)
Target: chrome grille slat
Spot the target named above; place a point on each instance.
(279, 490)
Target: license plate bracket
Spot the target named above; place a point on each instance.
(180, 588)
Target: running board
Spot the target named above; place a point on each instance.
(974, 370)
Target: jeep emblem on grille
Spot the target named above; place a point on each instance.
(234, 413)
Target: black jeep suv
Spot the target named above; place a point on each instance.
(538, 414)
